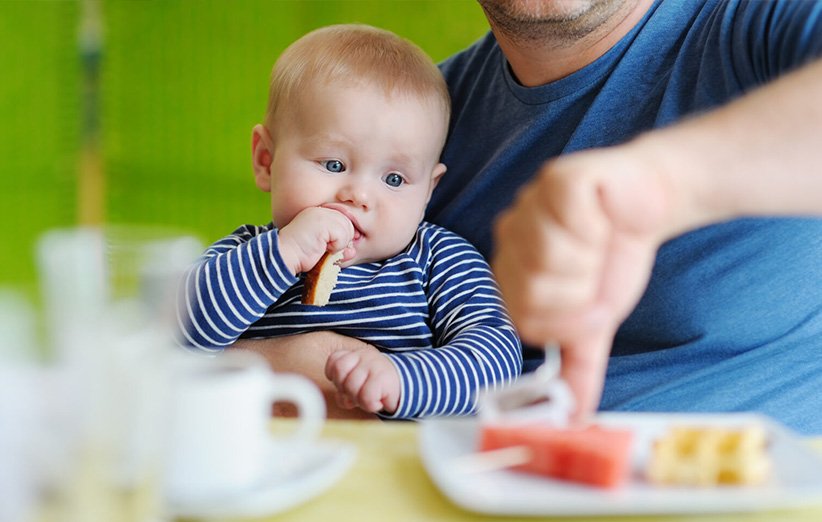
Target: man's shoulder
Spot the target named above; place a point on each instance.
(472, 58)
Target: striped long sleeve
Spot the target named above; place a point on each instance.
(433, 309)
(475, 343)
(231, 287)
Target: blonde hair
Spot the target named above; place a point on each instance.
(351, 53)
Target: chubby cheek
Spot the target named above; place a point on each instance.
(400, 239)
(284, 209)
(396, 231)
(281, 218)
(289, 197)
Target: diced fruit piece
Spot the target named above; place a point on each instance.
(592, 455)
(708, 456)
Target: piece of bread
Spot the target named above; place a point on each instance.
(321, 279)
(709, 456)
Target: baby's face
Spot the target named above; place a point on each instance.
(372, 157)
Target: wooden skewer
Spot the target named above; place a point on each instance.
(492, 460)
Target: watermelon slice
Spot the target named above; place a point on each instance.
(592, 455)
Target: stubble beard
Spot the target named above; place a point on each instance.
(555, 23)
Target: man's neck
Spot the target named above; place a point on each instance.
(556, 54)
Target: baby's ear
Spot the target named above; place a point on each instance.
(436, 175)
(439, 170)
(262, 154)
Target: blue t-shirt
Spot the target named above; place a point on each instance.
(732, 317)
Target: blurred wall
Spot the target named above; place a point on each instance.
(181, 85)
(39, 129)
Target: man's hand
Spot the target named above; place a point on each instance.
(306, 354)
(574, 254)
(364, 379)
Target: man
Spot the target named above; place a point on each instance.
(731, 316)
(730, 319)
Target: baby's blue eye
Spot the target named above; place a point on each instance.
(393, 180)
(334, 165)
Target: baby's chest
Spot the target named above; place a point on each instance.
(391, 313)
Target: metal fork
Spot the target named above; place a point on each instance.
(540, 396)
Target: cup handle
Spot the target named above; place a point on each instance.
(304, 394)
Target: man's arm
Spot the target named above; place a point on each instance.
(306, 354)
(759, 155)
(575, 251)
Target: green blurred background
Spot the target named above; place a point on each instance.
(181, 85)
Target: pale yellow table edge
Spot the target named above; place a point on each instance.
(388, 483)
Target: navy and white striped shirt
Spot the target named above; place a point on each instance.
(433, 309)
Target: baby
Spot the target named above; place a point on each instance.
(349, 151)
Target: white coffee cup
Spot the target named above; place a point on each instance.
(221, 443)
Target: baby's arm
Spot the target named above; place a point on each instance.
(365, 379)
(243, 274)
(231, 287)
(475, 345)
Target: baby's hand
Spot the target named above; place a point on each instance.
(313, 232)
(364, 379)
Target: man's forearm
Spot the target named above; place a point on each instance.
(759, 155)
(306, 354)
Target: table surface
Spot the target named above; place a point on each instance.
(388, 482)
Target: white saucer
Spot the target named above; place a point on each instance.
(308, 473)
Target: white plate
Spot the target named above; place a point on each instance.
(796, 478)
(310, 471)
